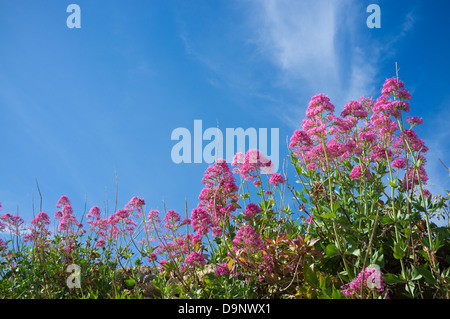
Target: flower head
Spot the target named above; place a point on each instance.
(276, 179)
(373, 281)
(251, 210)
(318, 104)
(248, 240)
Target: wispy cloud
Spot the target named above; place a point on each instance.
(309, 47)
(299, 37)
(322, 46)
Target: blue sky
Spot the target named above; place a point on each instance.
(78, 106)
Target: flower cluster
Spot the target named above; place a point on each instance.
(251, 210)
(252, 164)
(370, 279)
(11, 224)
(276, 179)
(222, 270)
(67, 219)
(201, 221)
(38, 229)
(172, 220)
(368, 132)
(121, 222)
(247, 241)
(217, 198)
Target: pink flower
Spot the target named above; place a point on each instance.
(238, 159)
(255, 163)
(63, 200)
(201, 220)
(380, 154)
(100, 243)
(314, 127)
(355, 109)
(67, 219)
(276, 179)
(247, 240)
(391, 85)
(426, 193)
(136, 201)
(404, 94)
(152, 257)
(171, 219)
(3, 245)
(373, 280)
(222, 270)
(122, 213)
(318, 104)
(153, 216)
(414, 141)
(220, 192)
(414, 120)
(301, 140)
(367, 136)
(399, 163)
(356, 173)
(216, 232)
(195, 259)
(334, 149)
(41, 220)
(251, 210)
(411, 177)
(311, 167)
(186, 221)
(94, 212)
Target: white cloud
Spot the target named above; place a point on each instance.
(315, 46)
(322, 46)
(299, 37)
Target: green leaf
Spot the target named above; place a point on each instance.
(399, 250)
(328, 215)
(331, 250)
(386, 220)
(429, 278)
(410, 286)
(353, 251)
(337, 294)
(415, 275)
(391, 279)
(130, 282)
(392, 183)
(310, 276)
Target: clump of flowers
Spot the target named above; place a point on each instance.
(38, 231)
(251, 210)
(218, 197)
(252, 165)
(11, 224)
(370, 280)
(247, 241)
(276, 179)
